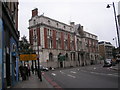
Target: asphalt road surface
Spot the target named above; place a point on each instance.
(94, 76)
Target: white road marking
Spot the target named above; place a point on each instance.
(62, 72)
(78, 69)
(114, 74)
(53, 74)
(72, 72)
(98, 73)
(71, 76)
(94, 68)
(104, 74)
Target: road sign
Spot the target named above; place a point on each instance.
(61, 58)
(28, 57)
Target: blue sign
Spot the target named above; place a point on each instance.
(1, 53)
(13, 53)
(0, 33)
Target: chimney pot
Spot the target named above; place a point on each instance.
(72, 23)
(35, 12)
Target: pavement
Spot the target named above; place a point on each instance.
(33, 82)
(116, 67)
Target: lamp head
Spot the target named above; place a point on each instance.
(108, 6)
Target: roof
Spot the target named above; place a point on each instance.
(105, 43)
(78, 29)
(54, 20)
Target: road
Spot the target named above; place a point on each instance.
(94, 76)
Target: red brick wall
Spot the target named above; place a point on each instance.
(38, 35)
(74, 44)
(45, 38)
(91, 46)
(31, 36)
(68, 41)
(62, 40)
(54, 39)
(88, 46)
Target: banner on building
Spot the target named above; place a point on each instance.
(28, 57)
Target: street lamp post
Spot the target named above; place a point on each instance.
(115, 41)
(39, 69)
(108, 6)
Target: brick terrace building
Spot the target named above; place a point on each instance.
(105, 49)
(54, 38)
(9, 41)
(91, 44)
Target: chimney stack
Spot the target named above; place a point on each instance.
(72, 23)
(35, 12)
(82, 27)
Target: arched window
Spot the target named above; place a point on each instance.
(50, 56)
(66, 56)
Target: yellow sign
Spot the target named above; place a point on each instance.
(28, 57)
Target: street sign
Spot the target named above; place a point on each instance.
(28, 57)
(61, 58)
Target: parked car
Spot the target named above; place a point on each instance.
(43, 68)
(107, 63)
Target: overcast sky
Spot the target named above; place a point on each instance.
(92, 14)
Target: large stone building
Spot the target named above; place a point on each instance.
(53, 38)
(105, 49)
(9, 36)
(91, 44)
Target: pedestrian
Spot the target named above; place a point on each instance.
(40, 75)
(32, 68)
(36, 70)
(22, 72)
(50, 68)
(28, 69)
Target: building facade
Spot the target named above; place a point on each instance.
(91, 44)
(9, 43)
(105, 50)
(52, 38)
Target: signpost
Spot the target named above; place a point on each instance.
(28, 57)
(61, 58)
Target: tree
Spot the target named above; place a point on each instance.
(24, 46)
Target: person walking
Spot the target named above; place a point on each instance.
(22, 72)
(32, 68)
(28, 69)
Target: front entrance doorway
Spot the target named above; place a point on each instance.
(8, 77)
(61, 64)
